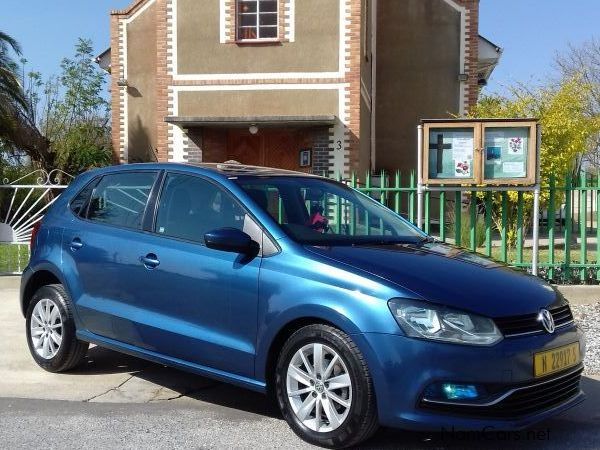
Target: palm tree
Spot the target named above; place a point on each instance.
(18, 130)
(12, 96)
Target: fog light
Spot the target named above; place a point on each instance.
(459, 391)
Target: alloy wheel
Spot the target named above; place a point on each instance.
(46, 328)
(319, 387)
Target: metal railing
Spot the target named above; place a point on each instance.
(497, 223)
(23, 203)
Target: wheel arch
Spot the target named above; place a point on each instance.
(42, 276)
(289, 326)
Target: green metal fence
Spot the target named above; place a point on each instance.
(498, 224)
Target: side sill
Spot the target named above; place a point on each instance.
(248, 383)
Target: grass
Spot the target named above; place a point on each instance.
(543, 255)
(13, 257)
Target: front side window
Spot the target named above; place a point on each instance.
(257, 19)
(315, 211)
(120, 199)
(190, 206)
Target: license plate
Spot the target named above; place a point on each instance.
(557, 359)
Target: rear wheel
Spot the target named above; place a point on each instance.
(50, 330)
(324, 388)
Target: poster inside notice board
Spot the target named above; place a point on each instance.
(506, 151)
(451, 152)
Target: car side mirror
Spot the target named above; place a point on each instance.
(230, 240)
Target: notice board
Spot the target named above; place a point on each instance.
(494, 152)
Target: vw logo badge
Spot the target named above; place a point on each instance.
(547, 320)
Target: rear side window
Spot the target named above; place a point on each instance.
(120, 199)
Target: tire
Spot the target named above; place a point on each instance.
(355, 417)
(50, 310)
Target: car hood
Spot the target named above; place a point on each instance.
(450, 276)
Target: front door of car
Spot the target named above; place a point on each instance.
(200, 303)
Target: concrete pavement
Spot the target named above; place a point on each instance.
(115, 400)
(580, 294)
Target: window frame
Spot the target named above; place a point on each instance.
(97, 180)
(159, 194)
(84, 208)
(258, 39)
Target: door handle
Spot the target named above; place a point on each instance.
(150, 261)
(76, 244)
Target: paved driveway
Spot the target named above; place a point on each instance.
(119, 401)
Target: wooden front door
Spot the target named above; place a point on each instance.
(272, 148)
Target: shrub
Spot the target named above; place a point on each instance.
(465, 228)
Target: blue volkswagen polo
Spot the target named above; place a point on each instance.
(300, 287)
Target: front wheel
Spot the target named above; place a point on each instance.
(51, 330)
(324, 388)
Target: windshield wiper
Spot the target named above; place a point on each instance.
(385, 242)
(427, 240)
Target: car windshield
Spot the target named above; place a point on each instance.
(316, 211)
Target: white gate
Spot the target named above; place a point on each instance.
(22, 205)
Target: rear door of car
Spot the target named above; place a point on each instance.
(101, 248)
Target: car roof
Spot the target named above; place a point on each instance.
(226, 169)
(233, 169)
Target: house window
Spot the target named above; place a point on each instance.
(257, 19)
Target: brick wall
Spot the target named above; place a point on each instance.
(118, 129)
(321, 153)
(353, 61)
(193, 145)
(471, 52)
(163, 80)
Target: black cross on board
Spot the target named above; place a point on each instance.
(440, 147)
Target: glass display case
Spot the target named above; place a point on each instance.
(479, 152)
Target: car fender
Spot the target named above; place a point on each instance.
(69, 283)
(30, 273)
(318, 309)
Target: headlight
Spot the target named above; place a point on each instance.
(429, 321)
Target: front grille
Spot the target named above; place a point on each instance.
(522, 400)
(529, 323)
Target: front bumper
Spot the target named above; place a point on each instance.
(403, 367)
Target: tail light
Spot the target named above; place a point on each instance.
(34, 232)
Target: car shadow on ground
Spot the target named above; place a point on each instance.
(569, 429)
(183, 384)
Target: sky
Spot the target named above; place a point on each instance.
(48, 29)
(531, 32)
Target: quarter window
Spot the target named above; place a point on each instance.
(79, 203)
(191, 206)
(257, 19)
(120, 199)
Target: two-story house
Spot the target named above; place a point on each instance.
(328, 86)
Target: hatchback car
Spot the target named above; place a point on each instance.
(299, 286)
